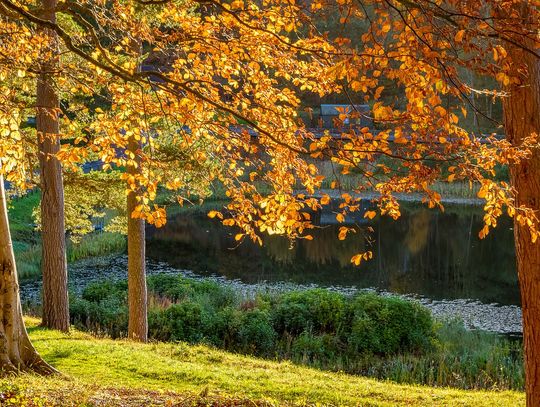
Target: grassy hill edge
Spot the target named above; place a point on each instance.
(109, 372)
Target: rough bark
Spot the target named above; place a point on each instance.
(137, 293)
(53, 263)
(522, 118)
(16, 351)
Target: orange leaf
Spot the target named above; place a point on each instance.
(370, 214)
(356, 259)
(459, 36)
(325, 200)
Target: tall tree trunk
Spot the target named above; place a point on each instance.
(522, 118)
(53, 263)
(137, 295)
(137, 291)
(16, 351)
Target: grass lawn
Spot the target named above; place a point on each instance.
(120, 373)
(21, 222)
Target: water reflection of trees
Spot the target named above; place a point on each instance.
(426, 252)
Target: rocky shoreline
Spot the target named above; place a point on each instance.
(413, 197)
(505, 319)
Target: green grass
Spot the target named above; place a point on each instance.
(27, 242)
(28, 256)
(109, 371)
(21, 223)
(93, 245)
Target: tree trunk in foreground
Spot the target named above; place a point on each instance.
(522, 118)
(53, 263)
(137, 295)
(16, 351)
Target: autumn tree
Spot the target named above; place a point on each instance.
(226, 84)
(430, 52)
(18, 48)
(222, 73)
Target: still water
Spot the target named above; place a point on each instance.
(426, 252)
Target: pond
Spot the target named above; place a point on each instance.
(428, 253)
(436, 258)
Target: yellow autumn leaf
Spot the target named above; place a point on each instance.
(482, 193)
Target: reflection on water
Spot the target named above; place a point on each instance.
(437, 255)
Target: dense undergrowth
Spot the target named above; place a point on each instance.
(368, 334)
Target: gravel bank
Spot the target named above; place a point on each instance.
(412, 197)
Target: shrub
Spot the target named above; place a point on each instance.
(178, 288)
(319, 350)
(256, 334)
(315, 310)
(109, 316)
(170, 286)
(186, 322)
(102, 308)
(214, 295)
(387, 325)
(384, 337)
(98, 292)
(226, 327)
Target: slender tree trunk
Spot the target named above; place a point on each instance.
(16, 351)
(522, 118)
(53, 263)
(137, 295)
(137, 291)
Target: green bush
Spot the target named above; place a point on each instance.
(107, 317)
(227, 323)
(102, 308)
(170, 286)
(318, 350)
(186, 322)
(98, 292)
(203, 311)
(256, 334)
(315, 310)
(388, 325)
(178, 288)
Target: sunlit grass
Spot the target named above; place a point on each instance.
(104, 369)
